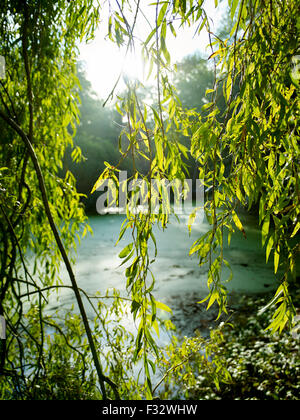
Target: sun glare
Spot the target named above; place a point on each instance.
(133, 66)
(105, 63)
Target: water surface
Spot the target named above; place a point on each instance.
(180, 282)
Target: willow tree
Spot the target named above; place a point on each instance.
(40, 210)
(258, 133)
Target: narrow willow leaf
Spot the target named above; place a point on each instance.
(251, 68)
(172, 30)
(265, 229)
(276, 259)
(238, 223)
(162, 13)
(127, 258)
(126, 251)
(269, 247)
(212, 299)
(195, 247)
(233, 28)
(239, 194)
(135, 306)
(191, 220)
(233, 8)
(154, 241)
(155, 326)
(261, 209)
(214, 54)
(153, 367)
(163, 307)
(160, 152)
(97, 184)
(138, 342)
(150, 36)
(203, 300)
(297, 227)
(228, 87)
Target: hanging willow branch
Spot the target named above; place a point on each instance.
(28, 141)
(62, 250)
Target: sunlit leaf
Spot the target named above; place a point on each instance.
(126, 251)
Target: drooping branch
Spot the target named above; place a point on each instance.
(42, 188)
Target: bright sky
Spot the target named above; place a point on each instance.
(104, 60)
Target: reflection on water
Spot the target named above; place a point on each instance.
(180, 282)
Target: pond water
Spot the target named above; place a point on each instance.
(180, 282)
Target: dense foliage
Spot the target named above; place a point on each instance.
(243, 143)
(259, 366)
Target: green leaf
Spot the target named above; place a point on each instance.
(127, 258)
(165, 52)
(261, 209)
(160, 152)
(228, 87)
(269, 247)
(191, 220)
(162, 13)
(126, 251)
(297, 227)
(233, 8)
(265, 229)
(213, 297)
(276, 258)
(238, 223)
(153, 367)
(214, 54)
(172, 30)
(251, 68)
(150, 36)
(154, 241)
(163, 307)
(135, 306)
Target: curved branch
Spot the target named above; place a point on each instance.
(62, 250)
